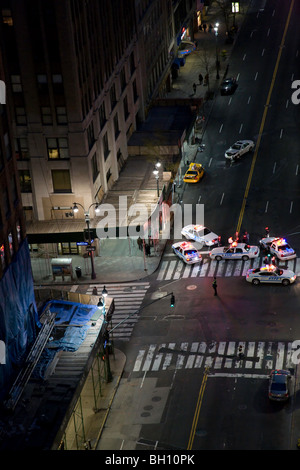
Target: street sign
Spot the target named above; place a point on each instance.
(82, 243)
(90, 248)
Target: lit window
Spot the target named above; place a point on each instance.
(57, 148)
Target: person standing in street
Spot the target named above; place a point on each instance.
(194, 87)
(214, 285)
(200, 78)
(140, 243)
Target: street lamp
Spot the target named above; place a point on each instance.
(87, 220)
(156, 173)
(216, 30)
(101, 304)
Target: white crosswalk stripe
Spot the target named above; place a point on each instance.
(128, 297)
(223, 355)
(177, 269)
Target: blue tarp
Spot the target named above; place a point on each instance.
(71, 313)
(18, 315)
(72, 338)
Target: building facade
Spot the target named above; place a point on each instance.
(72, 75)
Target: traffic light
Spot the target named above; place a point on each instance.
(172, 300)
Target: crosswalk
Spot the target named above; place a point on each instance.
(177, 269)
(251, 356)
(128, 297)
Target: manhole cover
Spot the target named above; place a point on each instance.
(156, 398)
(145, 415)
(192, 287)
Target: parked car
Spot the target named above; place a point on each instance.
(200, 234)
(235, 251)
(278, 247)
(187, 252)
(270, 274)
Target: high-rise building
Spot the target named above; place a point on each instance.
(73, 76)
(17, 302)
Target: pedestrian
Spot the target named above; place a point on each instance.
(200, 78)
(206, 79)
(246, 237)
(95, 291)
(204, 27)
(194, 87)
(147, 249)
(267, 231)
(241, 354)
(214, 285)
(140, 243)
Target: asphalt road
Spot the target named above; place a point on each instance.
(193, 402)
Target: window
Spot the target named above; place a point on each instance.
(125, 105)
(61, 181)
(57, 148)
(102, 115)
(20, 116)
(8, 151)
(61, 115)
(113, 98)
(46, 115)
(57, 83)
(108, 175)
(7, 17)
(135, 93)
(116, 125)
(105, 146)
(42, 83)
(123, 79)
(90, 135)
(16, 83)
(95, 167)
(14, 191)
(21, 149)
(25, 181)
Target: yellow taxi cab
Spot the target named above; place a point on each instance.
(194, 173)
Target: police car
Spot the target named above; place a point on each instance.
(278, 247)
(187, 252)
(238, 149)
(200, 234)
(234, 251)
(270, 274)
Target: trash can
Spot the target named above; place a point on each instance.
(78, 271)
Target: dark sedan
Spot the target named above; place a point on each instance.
(279, 385)
(228, 86)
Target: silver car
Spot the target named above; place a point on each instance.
(238, 149)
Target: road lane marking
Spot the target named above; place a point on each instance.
(266, 107)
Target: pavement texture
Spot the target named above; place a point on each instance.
(122, 260)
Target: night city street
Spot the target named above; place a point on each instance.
(175, 337)
(213, 404)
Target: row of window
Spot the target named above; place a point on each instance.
(61, 179)
(46, 115)
(42, 82)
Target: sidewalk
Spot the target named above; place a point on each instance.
(121, 260)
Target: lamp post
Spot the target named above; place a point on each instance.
(156, 173)
(87, 220)
(216, 30)
(101, 304)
